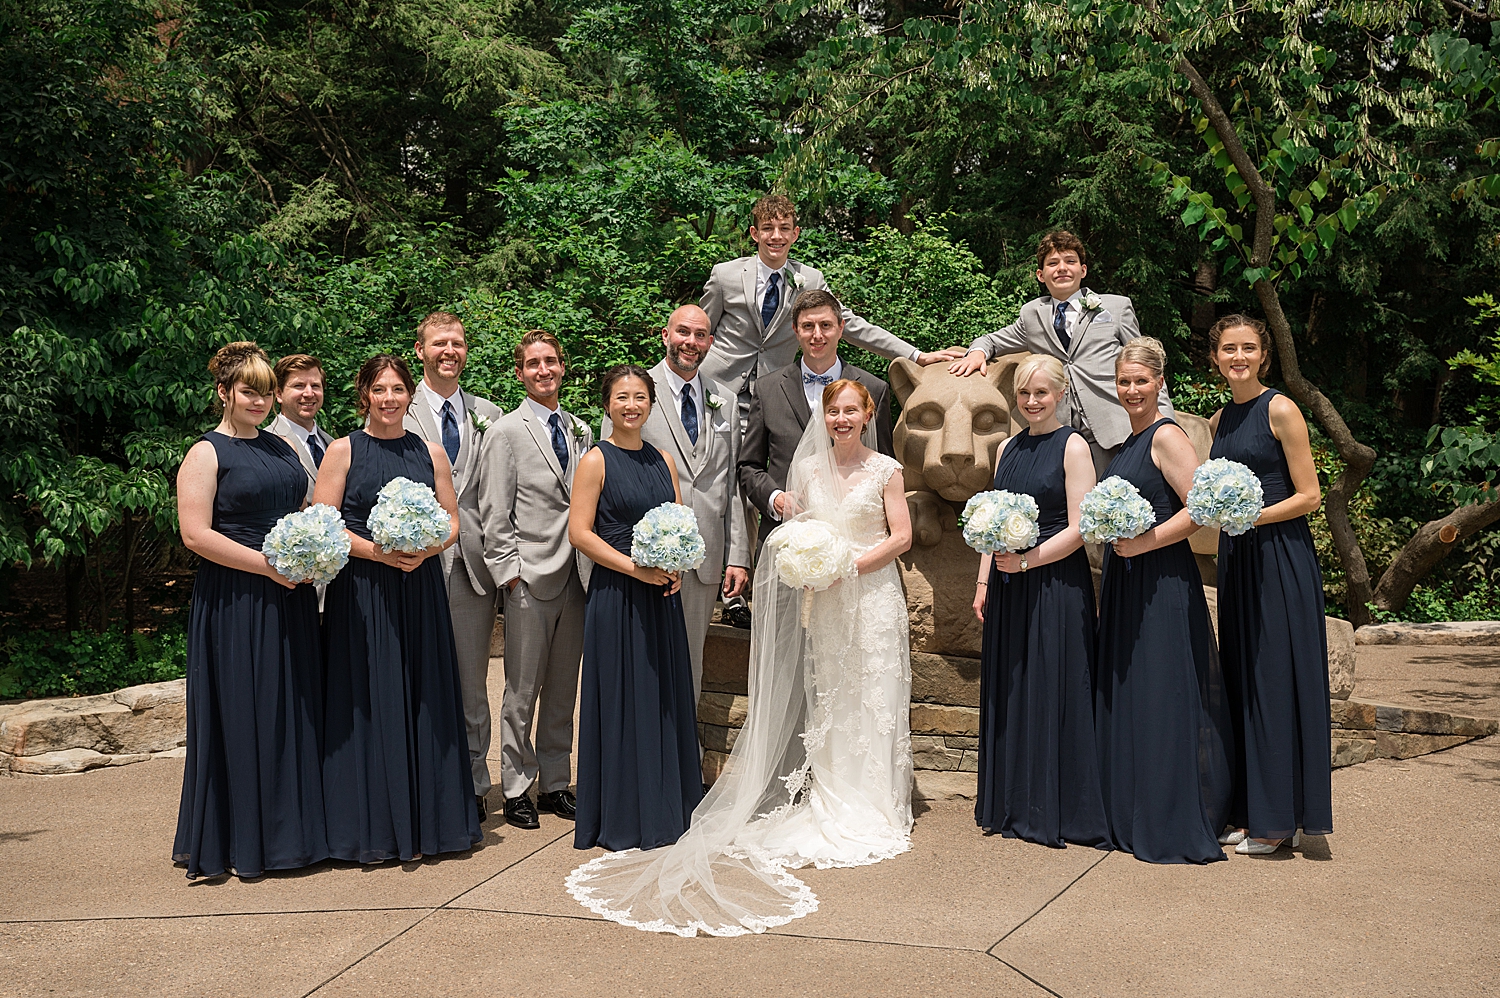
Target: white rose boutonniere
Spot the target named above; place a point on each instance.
(715, 403)
(479, 422)
(796, 279)
(1090, 302)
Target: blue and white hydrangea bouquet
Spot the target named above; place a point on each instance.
(1227, 495)
(308, 546)
(1000, 522)
(1114, 510)
(408, 517)
(667, 538)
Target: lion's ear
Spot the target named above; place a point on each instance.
(1002, 374)
(905, 375)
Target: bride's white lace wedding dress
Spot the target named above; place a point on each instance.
(820, 774)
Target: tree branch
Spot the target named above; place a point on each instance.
(1427, 547)
(1478, 15)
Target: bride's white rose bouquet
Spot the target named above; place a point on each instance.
(812, 556)
(1000, 522)
(1114, 510)
(667, 538)
(308, 546)
(408, 517)
(1225, 494)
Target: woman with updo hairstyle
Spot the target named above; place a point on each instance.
(1162, 720)
(1272, 632)
(1038, 763)
(396, 774)
(252, 791)
(639, 776)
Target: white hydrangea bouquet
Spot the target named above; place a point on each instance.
(408, 517)
(1227, 495)
(667, 538)
(812, 556)
(308, 546)
(1114, 510)
(1000, 522)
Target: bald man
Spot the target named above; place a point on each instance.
(694, 420)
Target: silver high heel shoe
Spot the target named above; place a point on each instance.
(1250, 847)
(1231, 836)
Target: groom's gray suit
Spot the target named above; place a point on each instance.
(524, 499)
(1090, 404)
(472, 596)
(706, 474)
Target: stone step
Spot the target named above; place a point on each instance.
(1458, 632)
(1365, 730)
(70, 735)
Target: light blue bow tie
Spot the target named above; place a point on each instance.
(823, 379)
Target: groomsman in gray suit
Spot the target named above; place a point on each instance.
(445, 414)
(299, 396)
(1082, 329)
(786, 400)
(526, 483)
(695, 422)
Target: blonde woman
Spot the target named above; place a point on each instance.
(1038, 767)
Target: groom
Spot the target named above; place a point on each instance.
(1082, 329)
(784, 401)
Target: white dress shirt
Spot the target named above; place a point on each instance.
(1070, 317)
(435, 401)
(674, 388)
(307, 436)
(814, 392)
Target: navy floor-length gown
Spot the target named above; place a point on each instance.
(1038, 762)
(1162, 717)
(639, 777)
(1274, 643)
(396, 772)
(252, 790)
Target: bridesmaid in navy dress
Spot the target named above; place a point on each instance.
(252, 790)
(1165, 741)
(1038, 764)
(396, 771)
(1272, 632)
(639, 777)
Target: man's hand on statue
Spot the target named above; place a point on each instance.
(970, 362)
(940, 356)
(736, 579)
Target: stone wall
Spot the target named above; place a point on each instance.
(71, 735)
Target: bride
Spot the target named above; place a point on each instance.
(821, 772)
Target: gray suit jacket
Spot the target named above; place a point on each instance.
(742, 342)
(778, 416)
(466, 484)
(281, 426)
(706, 472)
(524, 496)
(1089, 360)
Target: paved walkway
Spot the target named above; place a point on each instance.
(1400, 901)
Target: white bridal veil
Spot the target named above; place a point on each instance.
(725, 876)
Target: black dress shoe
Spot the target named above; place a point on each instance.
(736, 616)
(521, 813)
(479, 801)
(559, 802)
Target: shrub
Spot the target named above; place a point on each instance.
(56, 664)
(1439, 603)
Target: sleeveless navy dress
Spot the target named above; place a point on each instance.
(1163, 723)
(252, 789)
(639, 777)
(1274, 642)
(1038, 762)
(396, 775)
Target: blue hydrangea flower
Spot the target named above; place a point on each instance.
(667, 538)
(1225, 494)
(408, 517)
(1000, 522)
(308, 546)
(1114, 510)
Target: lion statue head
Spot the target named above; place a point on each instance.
(951, 427)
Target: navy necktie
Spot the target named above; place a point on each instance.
(1060, 324)
(450, 432)
(316, 447)
(772, 300)
(559, 442)
(689, 414)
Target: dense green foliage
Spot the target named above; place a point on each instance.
(318, 175)
(45, 664)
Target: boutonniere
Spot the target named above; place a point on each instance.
(578, 429)
(715, 403)
(1090, 302)
(796, 279)
(479, 422)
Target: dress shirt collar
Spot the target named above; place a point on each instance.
(835, 372)
(435, 401)
(542, 412)
(307, 435)
(1073, 305)
(675, 383)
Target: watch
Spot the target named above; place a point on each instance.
(1023, 561)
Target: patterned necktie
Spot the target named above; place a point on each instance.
(316, 447)
(450, 432)
(772, 300)
(689, 414)
(1060, 324)
(559, 442)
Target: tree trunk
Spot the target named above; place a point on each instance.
(72, 567)
(1428, 546)
(1358, 458)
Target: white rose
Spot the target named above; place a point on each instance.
(1017, 531)
(981, 519)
